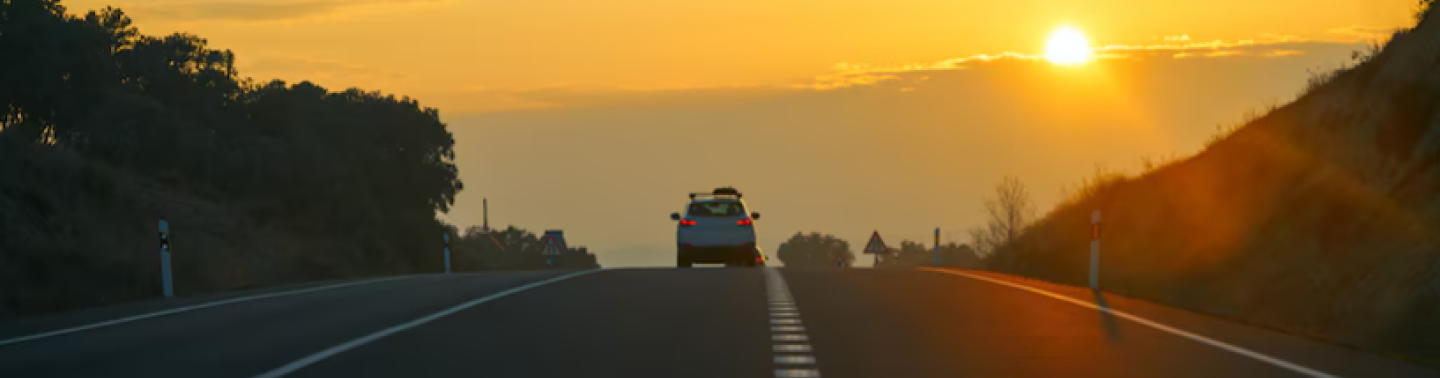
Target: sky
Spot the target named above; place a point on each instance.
(835, 116)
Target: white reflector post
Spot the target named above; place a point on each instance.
(1095, 250)
(937, 246)
(166, 285)
(446, 236)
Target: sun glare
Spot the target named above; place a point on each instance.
(1067, 46)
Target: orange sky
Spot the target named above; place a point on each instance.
(836, 116)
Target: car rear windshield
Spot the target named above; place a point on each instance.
(716, 209)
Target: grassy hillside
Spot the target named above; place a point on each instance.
(1321, 217)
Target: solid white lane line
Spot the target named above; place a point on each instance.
(794, 359)
(352, 344)
(195, 307)
(797, 373)
(1152, 324)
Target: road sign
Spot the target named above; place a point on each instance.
(875, 245)
(552, 247)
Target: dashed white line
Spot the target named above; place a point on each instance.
(790, 342)
(797, 373)
(791, 348)
(789, 337)
(794, 359)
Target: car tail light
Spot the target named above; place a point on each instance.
(745, 222)
(687, 222)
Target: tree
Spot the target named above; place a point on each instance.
(815, 250)
(913, 253)
(515, 249)
(1008, 214)
(87, 94)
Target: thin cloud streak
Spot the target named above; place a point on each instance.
(848, 75)
(247, 10)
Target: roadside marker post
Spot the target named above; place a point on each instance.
(447, 252)
(937, 246)
(1095, 250)
(167, 284)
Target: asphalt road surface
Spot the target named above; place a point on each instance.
(759, 322)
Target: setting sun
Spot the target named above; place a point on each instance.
(1067, 46)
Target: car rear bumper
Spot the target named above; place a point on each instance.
(718, 254)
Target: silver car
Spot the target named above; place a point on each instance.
(717, 227)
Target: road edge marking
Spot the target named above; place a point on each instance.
(1149, 323)
(156, 314)
(361, 341)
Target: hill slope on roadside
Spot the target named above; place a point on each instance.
(1321, 217)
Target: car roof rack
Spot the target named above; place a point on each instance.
(724, 191)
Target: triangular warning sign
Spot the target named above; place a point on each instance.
(875, 245)
(551, 247)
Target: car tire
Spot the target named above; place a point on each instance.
(683, 263)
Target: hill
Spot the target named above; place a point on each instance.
(1321, 217)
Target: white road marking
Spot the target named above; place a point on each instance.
(797, 373)
(794, 359)
(786, 332)
(791, 348)
(789, 337)
(352, 344)
(201, 306)
(1152, 324)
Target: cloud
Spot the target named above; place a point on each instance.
(1363, 32)
(263, 10)
(1185, 45)
(289, 67)
(851, 75)
(1284, 53)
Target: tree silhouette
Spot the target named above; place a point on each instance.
(1009, 213)
(911, 254)
(92, 113)
(815, 250)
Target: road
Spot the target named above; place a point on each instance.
(770, 322)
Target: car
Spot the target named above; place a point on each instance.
(717, 227)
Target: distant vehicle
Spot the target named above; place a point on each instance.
(717, 228)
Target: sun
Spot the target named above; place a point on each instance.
(1067, 46)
